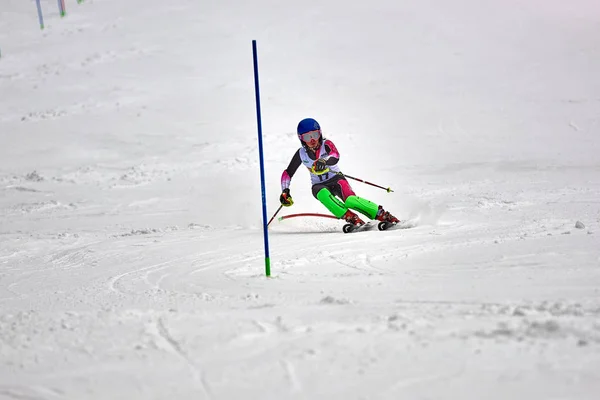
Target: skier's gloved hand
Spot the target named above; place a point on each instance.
(320, 167)
(285, 199)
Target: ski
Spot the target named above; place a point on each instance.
(349, 228)
(384, 226)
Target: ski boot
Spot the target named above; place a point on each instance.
(386, 219)
(353, 221)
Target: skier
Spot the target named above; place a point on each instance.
(321, 158)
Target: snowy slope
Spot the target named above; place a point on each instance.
(131, 250)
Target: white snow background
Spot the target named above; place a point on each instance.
(131, 245)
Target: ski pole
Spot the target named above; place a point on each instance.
(41, 18)
(368, 183)
(276, 212)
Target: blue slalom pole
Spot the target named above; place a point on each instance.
(61, 8)
(39, 8)
(262, 162)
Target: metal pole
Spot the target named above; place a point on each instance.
(61, 8)
(262, 167)
(368, 183)
(276, 212)
(41, 18)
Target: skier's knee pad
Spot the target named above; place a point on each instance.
(323, 194)
(333, 204)
(363, 206)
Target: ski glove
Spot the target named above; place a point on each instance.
(320, 165)
(285, 199)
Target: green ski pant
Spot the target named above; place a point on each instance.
(339, 207)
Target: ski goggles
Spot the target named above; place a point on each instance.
(308, 136)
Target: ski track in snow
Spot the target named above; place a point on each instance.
(176, 347)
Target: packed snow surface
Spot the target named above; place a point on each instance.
(132, 260)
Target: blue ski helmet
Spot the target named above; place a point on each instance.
(308, 125)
